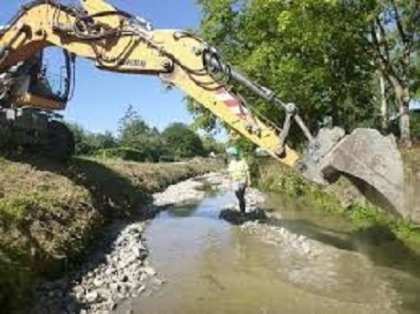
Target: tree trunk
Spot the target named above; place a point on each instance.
(404, 108)
(384, 104)
(402, 95)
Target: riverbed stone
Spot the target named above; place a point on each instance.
(149, 271)
(78, 290)
(98, 282)
(141, 289)
(92, 296)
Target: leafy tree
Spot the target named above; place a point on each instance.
(103, 140)
(137, 141)
(182, 142)
(301, 49)
(393, 33)
(415, 125)
(135, 133)
(133, 130)
(87, 143)
(210, 144)
(82, 146)
(323, 55)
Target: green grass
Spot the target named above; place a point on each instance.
(18, 206)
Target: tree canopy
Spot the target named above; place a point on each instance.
(138, 141)
(320, 54)
(182, 141)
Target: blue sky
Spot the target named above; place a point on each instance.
(101, 97)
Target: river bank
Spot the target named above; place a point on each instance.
(51, 214)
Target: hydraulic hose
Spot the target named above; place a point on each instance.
(215, 66)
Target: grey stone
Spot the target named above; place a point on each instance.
(98, 282)
(112, 306)
(377, 162)
(149, 271)
(141, 289)
(123, 263)
(79, 292)
(114, 288)
(104, 293)
(306, 248)
(92, 296)
(139, 253)
(109, 271)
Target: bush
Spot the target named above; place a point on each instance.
(182, 142)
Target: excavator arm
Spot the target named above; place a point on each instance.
(117, 41)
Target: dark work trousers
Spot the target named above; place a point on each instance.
(240, 194)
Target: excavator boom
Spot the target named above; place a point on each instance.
(120, 42)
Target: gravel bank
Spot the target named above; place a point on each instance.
(118, 269)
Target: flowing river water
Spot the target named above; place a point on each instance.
(211, 265)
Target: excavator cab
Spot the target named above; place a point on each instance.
(30, 94)
(46, 81)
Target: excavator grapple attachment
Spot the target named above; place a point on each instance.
(371, 161)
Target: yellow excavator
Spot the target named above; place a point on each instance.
(118, 41)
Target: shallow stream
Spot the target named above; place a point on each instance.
(210, 265)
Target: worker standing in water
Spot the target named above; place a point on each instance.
(239, 176)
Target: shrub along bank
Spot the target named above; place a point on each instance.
(50, 213)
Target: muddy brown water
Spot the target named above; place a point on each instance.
(212, 266)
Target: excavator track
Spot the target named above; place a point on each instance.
(35, 133)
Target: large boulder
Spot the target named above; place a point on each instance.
(371, 161)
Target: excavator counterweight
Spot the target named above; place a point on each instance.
(120, 42)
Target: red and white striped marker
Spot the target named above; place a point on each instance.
(233, 103)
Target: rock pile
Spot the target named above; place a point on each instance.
(123, 273)
(183, 192)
